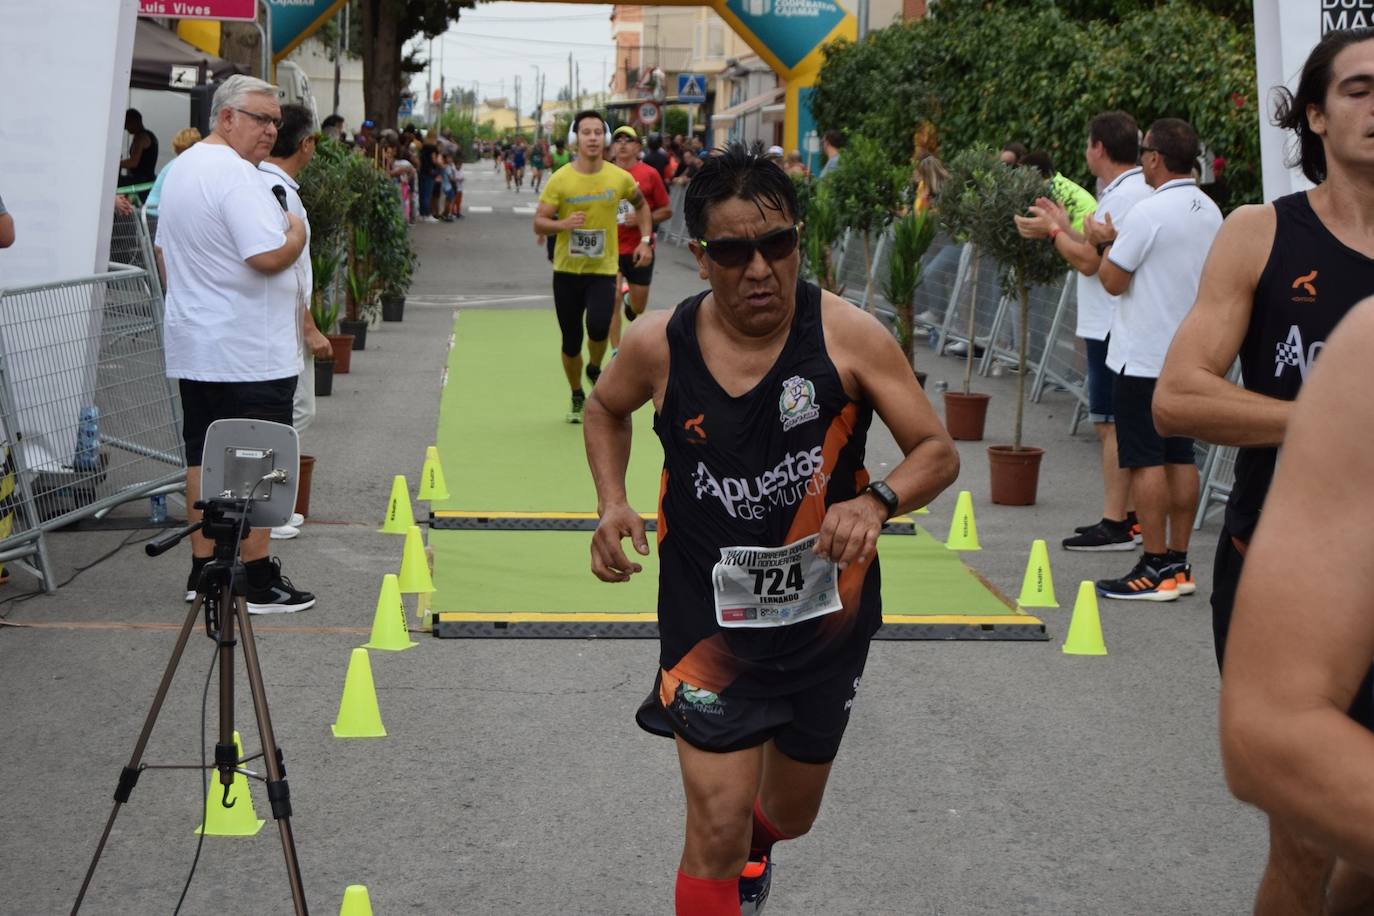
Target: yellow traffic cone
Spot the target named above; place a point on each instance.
(1037, 588)
(358, 715)
(963, 531)
(238, 819)
(924, 510)
(432, 485)
(398, 515)
(356, 902)
(389, 624)
(424, 601)
(1085, 629)
(415, 575)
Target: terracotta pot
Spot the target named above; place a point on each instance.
(343, 352)
(358, 329)
(1015, 474)
(303, 487)
(324, 378)
(965, 414)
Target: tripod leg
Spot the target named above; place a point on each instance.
(278, 793)
(128, 778)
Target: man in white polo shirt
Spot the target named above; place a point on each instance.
(1113, 148)
(232, 328)
(1154, 262)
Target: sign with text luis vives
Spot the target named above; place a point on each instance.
(200, 9)
(791, 28)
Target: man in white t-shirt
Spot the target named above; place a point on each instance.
(1113, 144)
(292, 152)
(1154, 263)
(231, 327)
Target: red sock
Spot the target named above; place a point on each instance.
(706, 896)
(765, 835)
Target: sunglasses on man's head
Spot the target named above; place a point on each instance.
(737, 252)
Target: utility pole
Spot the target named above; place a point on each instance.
(517, 104)
(579, 82)
(571, 103)
(340, 28)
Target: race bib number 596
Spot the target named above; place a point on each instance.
(587, 243)
(774, 587)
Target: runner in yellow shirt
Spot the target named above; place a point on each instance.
(579, 205)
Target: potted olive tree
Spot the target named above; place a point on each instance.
(1025, 263)
(867, 191)
(912, 234)
(966, 208)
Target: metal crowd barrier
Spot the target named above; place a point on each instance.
(1218, 477)
(675, 230)
(89, 417)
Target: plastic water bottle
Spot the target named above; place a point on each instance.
(934, 338)
(941, 386)
(87, 439)
(157, 508)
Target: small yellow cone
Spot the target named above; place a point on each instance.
(237, 820)
(1037, 588)
(356, 902)
(415, 575)
(424, 601)
(358, 715)
(398, 515)
(1085, 629)
(389, 624)
(963, 531)
(432, 485)
(924, 510)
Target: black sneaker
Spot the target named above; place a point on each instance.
(754, 884)
(1130, 520)
(630, 313)
(279, 596)
(579, 401)
(1103, 536)
(1182, 571)
(593, 373)
(1146, 582)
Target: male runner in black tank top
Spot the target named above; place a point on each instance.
(1279, 278)
(763, 390)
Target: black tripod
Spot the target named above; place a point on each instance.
(221, 593)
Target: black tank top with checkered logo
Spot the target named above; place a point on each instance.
(1308, 285)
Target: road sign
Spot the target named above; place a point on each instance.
(200, 9)
(648, 113)
(691, 87)
(184, 77)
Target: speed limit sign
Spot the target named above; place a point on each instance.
(648, 113)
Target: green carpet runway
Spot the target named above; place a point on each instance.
(511, 543)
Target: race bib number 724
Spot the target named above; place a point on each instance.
(774, 587)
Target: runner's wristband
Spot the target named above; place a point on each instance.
(646, 239)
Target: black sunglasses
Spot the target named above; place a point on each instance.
(1148, 149)
(262, 119)
(737, 252)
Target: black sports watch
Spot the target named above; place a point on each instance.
(885, 495)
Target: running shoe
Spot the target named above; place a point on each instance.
(1182, 571)
(284, 532)
(1105, 535)
(593, 373)
(754, 883)
(1130, 519)
(630, 313)
(1146, 582)
(1136, 536)
(579, 401)
(296, 520)
(279, 596)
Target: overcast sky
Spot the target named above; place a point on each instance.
(495, 43)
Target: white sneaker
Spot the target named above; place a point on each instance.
(958, 348)
(296, 520)
(284, 533)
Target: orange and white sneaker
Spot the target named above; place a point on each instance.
(1146, 582)
(754, 884)
(1183, 577)
(1136, 536)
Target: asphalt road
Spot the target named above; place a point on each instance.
(976, 778)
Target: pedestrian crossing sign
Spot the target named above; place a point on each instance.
(691, 87)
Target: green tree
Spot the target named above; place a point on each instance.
(866, 189)
(675, 122)
(386, 26)
(989, 71)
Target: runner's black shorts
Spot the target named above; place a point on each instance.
(1225, 577)
(639, 276)
(1138, 443)
(583, 296)
(202, 403)
(807, 725)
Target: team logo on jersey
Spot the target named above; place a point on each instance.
(797, 404)
(699, 700)
(1305, 281)
(694, 426)
(795, 477)
(1292, 353)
